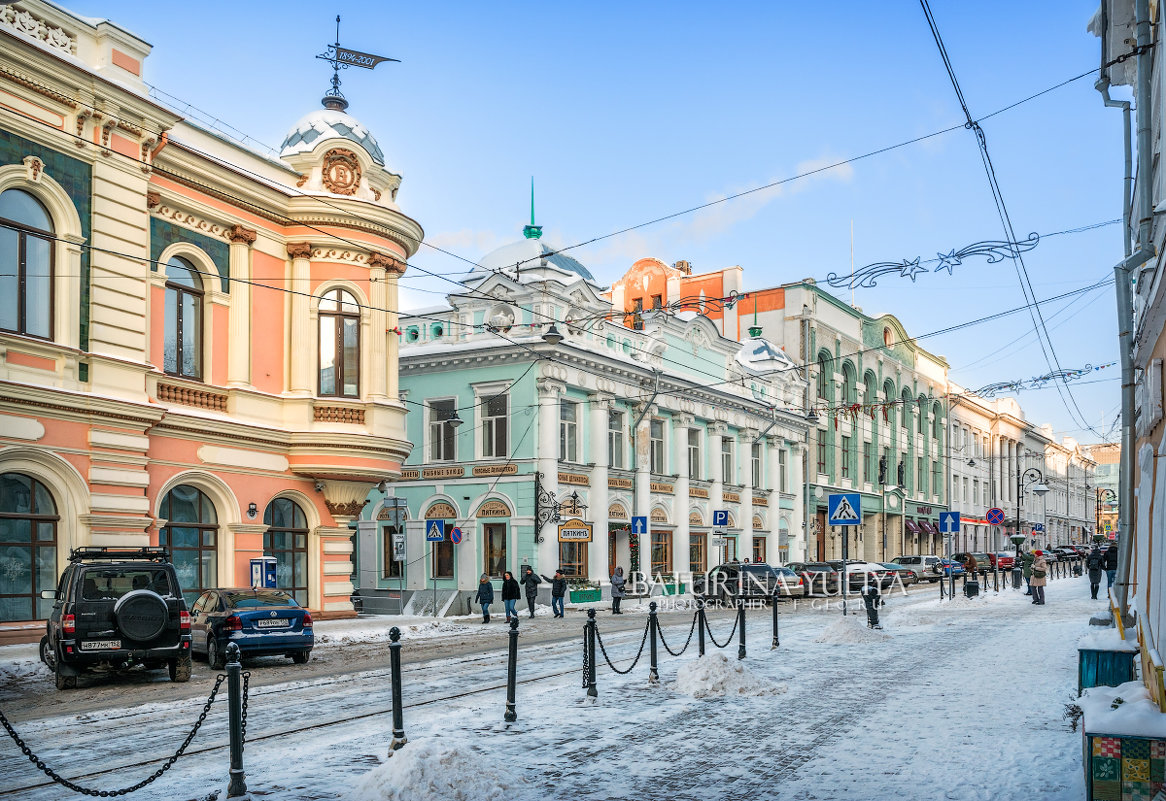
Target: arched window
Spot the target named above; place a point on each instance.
(28, 547)
(286, 539)
(922, 411)
(849, 384)
(182, 347)
(889, 398)
(26, 253)
(824, 371)
(936, 410)
(191, 534)
(339, 345)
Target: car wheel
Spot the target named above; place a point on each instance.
(47, 655)
(301, 657)
(214, 658)
(64, 682)
(180, 668)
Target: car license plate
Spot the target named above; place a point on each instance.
(100, 645)
(272, 623)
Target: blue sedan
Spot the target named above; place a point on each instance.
(949, 567)
(261, 622)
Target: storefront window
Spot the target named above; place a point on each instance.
(573, 559)
(287, 540)
(28, 547)
(698, 553)
(191, 534)
(661, 552)
(494, 549)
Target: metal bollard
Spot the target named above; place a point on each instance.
(589, 633)
(741, 627)
(942, 589)
(511, 672)
(399, 738)
(237, 787)
(776, 634)
(951, 590)
(653, 627)
(700, 624)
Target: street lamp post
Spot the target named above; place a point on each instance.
(1023, 479)
(1103, 495)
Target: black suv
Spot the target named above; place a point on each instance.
(116, 608)
(733, 580)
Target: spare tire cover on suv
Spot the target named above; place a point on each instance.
(141, 614)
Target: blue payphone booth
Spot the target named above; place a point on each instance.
(263, 572)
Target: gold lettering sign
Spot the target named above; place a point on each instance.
(732, 497)
(410, 474)
(619, 483)
(574, 530)
(574, 478)
(443, 472)
(495, 470)
(660, 486)
(441, 511)
(493, 509)
(760, 500)
(757, 521)
(695, 519)
(617, 512)
(658, 516)
(697, 492)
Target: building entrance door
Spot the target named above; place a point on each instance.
(820, 534)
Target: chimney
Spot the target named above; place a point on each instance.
(683, 267)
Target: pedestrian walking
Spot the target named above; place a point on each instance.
(485, 596)
(1026, 560)
(1111, 565)
(530, 584)
(1040, 572)
(617, 587)
(1095, 563)
(510, 594)
(558, 591)
(872, 600)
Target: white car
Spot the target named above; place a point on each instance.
(926, 566)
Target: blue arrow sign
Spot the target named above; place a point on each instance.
(639, 524)
(435, 531)
(949, 522)
(845, 508)
(720, 517)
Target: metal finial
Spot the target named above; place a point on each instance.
(532, 231)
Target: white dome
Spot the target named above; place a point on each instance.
(760, 356)
(329, 124)
(530, 253)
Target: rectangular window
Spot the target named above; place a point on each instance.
(728, 474)
(615, 446)
(494, 550)
(975, 491)
(573, 559)
(694, 435)
(845, 456)
(442, 434)
(656, 446)
(637, 318)
(821, 453)
(657, 302)
(568, 431)
(783, 470)
(755, 457)
(390, 568)
(759, 550)
(936, 478)
(661, 552)
(867, 461)
(698, 553)
(920, 476)
(443, 555)
(495, 428)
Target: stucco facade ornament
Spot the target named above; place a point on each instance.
(188, 220)
(242, 235)
(388, 263)
(35, 168)
(299, 250)
(26, 23)
(152, 198)
(341, 172)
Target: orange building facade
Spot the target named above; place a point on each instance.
(197, 342)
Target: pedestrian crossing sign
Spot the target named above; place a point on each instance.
(845, 509)
(434, 531)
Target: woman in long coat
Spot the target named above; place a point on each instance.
(617, 590)
(510, 594)
(1040, 572)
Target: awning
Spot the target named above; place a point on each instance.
(912, 527)
(929, 528)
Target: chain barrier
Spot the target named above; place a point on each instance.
(586, 660)
(246, 683)
(660, 631)
(728, 642)
(607, 658)
(52, 774)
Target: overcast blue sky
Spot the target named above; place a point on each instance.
(627, 111)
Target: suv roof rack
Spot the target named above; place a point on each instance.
(150, 553)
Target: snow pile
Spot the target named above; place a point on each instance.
(375, 630)
(423, 771)
(1105, 640)
(1123, 711)
(715, 675)
(850, 630)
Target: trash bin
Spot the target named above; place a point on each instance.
(972, 588)
(1017, 577)
(1077, 569)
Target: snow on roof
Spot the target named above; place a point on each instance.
(531, 253)
(329, 124)
(759, 355)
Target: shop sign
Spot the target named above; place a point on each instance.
(731, 497)
(660, 486)
(697, 492)
(495, 469)
(617, 512)
(574, 530)
(406, 475)
(574, 478)
(441, 511)
(760, 500)
(658, 516)
(443, 472)
(493, 509)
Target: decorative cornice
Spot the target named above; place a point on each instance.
(348, 509)
(243, 236)
(26, 23)
(299, 250)
(389, 263)
(28, 83)
(188, 220)
(153, 199)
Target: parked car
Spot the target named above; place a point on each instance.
(925, 565)
(857, 572)
(790, 584)
(820, 578)
(983, 560)
(262, 622)
(906, 575)
(116, 608)
(1066, 552)
(1002, 560)
(732, 580)
(950, 567)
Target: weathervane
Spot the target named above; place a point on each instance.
(343, 58)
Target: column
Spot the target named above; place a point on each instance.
(302, 348)
(378, 335)
(800, 527)
(746, 444)
(239, 336)
(597, 441)
(393, 270)
(547, 556)
(716, 488)
(682, 539)
(770, 453)
(643, 497)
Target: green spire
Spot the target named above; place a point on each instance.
(532, 231)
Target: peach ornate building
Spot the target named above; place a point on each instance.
(197, 340)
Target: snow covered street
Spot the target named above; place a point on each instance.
(959, 700)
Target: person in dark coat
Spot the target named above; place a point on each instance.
(972, 566)
(530, 584)
(558, 591)
(617, 590)
(1026, 560)
(510, 594)
(485, 596)
(1110, 565)
(1094, 563)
